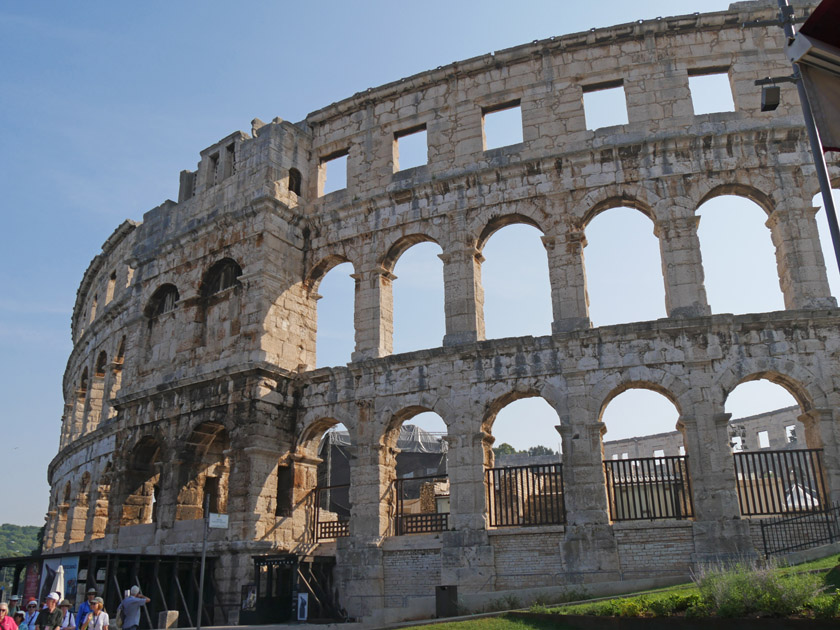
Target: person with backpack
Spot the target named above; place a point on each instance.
(130, 608)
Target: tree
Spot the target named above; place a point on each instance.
(541, 450)
(504, 449)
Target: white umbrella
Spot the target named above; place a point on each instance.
(58, 582)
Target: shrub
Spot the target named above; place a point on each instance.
(826, 606)
(745, 589)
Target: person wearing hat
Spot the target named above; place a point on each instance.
(19, 619)
(30, 616)
(68, 619)
(6, 622)
(98, 618)
(86, 608)
(131, 608)
(50, 617)
(14, 605)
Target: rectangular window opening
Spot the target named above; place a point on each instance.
(790, 434)
(682, 451)
(763, 439)
(213, 177)
(615, 456)
(711, 91)
(737, 443)
(112, 283)
(604, 105)
(410, 148)
(230, 160)
(333, 173)
(625, 456)
(501, 125)
(659, 453)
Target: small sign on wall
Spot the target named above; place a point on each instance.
(303, 606)
(217, 521)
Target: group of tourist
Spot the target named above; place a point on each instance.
(57, 615)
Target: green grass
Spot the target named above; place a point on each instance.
(499, 623)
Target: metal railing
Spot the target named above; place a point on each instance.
(526, 495)
(418, 509)
(783, 534)
(329, 529)
(649, 488)
(780, 482)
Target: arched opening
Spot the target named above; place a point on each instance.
(419, 319)
(739, 258)
(203, 472)
(323, 468)
(161, 340)
(514, 276)
(97, 395)
(221, 305)
(524, 469)
(623, 268)
(78, 516)
(416, 452)
(295, 181)
(645, 464)
(141, 483)
(99, 517)
(79, 406)
(335, 316)
(116, 377)
(831, 267)
(163, 300)
(776, 449)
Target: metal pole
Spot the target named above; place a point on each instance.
(203, 560)
(786, 17)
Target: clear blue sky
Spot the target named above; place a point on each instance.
(103, 103)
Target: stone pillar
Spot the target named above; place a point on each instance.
(718, 527)
(372, 471)
(682, 267)
(799, 256)
(374, 314)
(464, 295)
(821, 431)
(252, 491)
(465, 463)
(566, 273)
(589, 544)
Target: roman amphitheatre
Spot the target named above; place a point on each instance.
(192, 381)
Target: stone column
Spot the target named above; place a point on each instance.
(718, 527)
(589, 544)
(374, 314)
(799, 256)
(566, 273)
(465, 463)
(464, 295)
(682, 267)
(821, 431)
(252, 491)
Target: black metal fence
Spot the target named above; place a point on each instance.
(334, 525)
(526, 495)
(649, 488)
(784, 534)
(422, 504)
(780, 482)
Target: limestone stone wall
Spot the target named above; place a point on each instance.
(192, 372)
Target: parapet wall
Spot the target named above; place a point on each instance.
(192, 373)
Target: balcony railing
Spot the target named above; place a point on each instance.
(526, 495)
(329, 525)
(648, 488)
(422, 504)
(780, 482)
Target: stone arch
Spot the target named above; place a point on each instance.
(800, 382)
(163, 300)
(203, 471)
(295, 181)
(222, 275)
(598, 201)
(320, 269)
(739, 190)
(98, 516)
(494, 406)
(116, 375)
(496, 222)
(77, 519)
(400, 246)
(673, 390)
(140, 483)
(96, 405)
(310, 436)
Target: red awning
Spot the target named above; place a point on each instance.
(824, 23)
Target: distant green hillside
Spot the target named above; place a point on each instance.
(17, 540)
